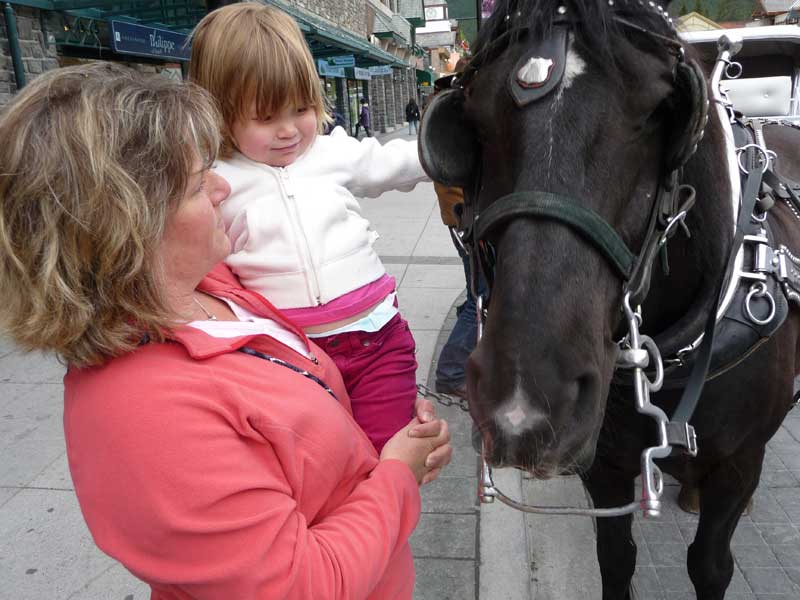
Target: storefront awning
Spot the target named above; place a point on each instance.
(424, 78)
(326, 40)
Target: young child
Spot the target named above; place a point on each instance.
(296, 229)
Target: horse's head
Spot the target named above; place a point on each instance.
(582, 99)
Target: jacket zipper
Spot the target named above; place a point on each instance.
(312, 281)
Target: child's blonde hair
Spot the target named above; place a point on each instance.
(253, 53)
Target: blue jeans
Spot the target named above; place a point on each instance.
(450, 371)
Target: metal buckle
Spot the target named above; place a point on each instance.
(683, 435)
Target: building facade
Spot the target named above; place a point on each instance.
(363, 48)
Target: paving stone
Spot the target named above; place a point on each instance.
(668, 555)
(766, 509)
(738, 584)
(444, 579)
(754, 556)
(687, 531)
(768, 580)
(645, 581)
(788, 555)
(33, 367)
(779, 533)
(746, 534)
(779, 478)
(674, 579)
(790, 458)
(793, 573)
(643, 556)
(661, 533)
(445, 536)
(450, 495)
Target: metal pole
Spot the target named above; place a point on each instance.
(13, 44)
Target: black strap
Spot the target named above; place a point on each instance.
(283, 363)
(694, 387)
(565, 210)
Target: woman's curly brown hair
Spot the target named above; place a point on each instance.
(93, 159)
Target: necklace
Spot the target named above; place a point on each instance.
(203, 308)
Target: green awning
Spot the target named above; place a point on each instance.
(424, 78)
(326, 40)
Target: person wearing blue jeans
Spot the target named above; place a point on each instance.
(450, 370)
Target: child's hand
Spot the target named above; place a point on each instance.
(424, 410)
(425, 456)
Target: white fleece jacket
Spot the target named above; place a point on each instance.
(297, 233)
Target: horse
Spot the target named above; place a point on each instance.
(605, 128)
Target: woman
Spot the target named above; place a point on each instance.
(210, 443)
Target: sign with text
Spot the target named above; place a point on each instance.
(327, 70)
(140, 40)
(345, 60)
(359, 73)
(381, 70)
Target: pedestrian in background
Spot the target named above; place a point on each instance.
(364, 119)
(210, 443)
(298, 234)
(412, 116)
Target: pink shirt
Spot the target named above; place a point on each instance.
(212, 474)
(345, 306)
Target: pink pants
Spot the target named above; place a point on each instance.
(379, 371)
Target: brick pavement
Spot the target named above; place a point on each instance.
(766, 544)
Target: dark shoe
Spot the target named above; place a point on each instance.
(459, 391)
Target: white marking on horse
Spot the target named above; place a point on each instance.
(514, 416)
(574, 66)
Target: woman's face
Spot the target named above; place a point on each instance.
(194, 238)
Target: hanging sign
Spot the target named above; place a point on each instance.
(381, 70)
(327, 70)
(345, 60)
(140, 40)
(358, 73)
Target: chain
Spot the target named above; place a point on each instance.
(443, 399)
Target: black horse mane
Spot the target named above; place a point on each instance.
(593, 20)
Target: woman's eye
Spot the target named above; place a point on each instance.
(302, 110)
(266, 119)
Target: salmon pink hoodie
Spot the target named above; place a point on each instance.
(213, 474)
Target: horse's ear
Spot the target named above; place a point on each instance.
(448, 147)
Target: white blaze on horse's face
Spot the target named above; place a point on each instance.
(514, 416)
(574, 66)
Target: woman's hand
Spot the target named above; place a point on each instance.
(425, 448)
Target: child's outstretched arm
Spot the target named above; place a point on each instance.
(373, 168)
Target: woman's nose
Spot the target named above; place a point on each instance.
(220, 188)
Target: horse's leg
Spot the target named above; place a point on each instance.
(616, 550)
(724, 494)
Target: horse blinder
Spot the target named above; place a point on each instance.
(690, 113)
(448, 146)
